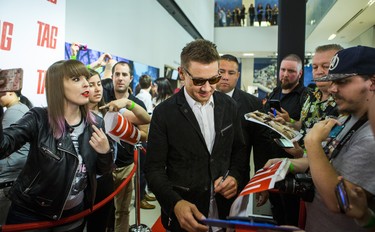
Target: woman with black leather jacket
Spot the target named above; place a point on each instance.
(68, 148)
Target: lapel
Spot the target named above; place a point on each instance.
(187, 112)
(218, 115)
(236, 97)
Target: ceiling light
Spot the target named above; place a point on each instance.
(248, 54)
(370, 2)
(331, 37)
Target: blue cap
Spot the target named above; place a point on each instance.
(349, 62)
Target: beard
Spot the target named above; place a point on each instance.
(288, 85)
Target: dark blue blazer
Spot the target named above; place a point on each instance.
(179, 165)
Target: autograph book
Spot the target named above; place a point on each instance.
(264, 119)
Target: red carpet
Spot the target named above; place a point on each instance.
(158, 227)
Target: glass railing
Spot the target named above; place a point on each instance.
(315, 12)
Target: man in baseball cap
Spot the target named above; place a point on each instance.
(351, 152)
(349, 62)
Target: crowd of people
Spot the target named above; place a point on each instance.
(239, 15)
(58, 160)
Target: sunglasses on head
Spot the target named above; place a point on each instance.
(200, 81)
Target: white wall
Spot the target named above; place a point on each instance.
(246, 39)
(201, 14)
(367, 38)
(140, 30)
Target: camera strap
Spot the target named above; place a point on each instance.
(348, 135)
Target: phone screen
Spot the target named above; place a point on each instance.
(335, 131)
(342, 196)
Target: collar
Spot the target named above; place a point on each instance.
(193, 102)
(230, 93)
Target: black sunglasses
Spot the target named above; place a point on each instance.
(200, 81)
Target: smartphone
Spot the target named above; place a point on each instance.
(274, 103)
(11, 80)
(335, 131)
(342, 196)
(284, 143)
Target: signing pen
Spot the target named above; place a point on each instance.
(224, 177)
(274, 112)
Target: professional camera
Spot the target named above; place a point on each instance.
(300, 184)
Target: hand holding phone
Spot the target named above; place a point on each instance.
(274, 103)
(11, 80)
(342, 196)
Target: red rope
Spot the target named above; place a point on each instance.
(48, 224)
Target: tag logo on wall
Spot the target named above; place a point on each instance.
(6, 32)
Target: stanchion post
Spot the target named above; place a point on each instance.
(138, 227)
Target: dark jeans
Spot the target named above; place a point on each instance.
(100, 219)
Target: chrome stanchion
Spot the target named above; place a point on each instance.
(138, 227)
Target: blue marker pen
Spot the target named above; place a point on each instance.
(274, 112)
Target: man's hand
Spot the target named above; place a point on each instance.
(296, 151)
(320, 131)
(261, 198)
(357, 200)
(188, 216)
(118, 104)
(272, 161)
(74, 48)
(227, 188)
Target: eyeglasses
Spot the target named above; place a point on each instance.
(200, 81)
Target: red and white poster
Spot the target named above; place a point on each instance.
(264, 179)
(32, 37)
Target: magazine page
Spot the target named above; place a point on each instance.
(264, 119)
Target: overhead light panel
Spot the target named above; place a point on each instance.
(248, 54)
(331, 37)
(370, 2)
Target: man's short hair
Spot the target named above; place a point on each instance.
(294, 57)
(229, 57)
(124, 63)
(328, 47)
(145, 81)
(201, 51)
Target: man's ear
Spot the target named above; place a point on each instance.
(182, 77)
(131, 78)
(300, 74)
(372, 79)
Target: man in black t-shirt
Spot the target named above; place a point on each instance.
(122, 76)
(292, 94)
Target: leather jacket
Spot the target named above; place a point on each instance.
(46, 179)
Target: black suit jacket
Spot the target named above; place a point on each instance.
(256, 136)
(179, 165)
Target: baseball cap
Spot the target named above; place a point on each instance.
(349, 62)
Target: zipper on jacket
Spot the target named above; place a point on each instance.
(50, 153)
(31, 184)
(71, 183)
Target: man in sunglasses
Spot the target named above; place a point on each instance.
(196, 158)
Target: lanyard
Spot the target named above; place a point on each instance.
(348, 135)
